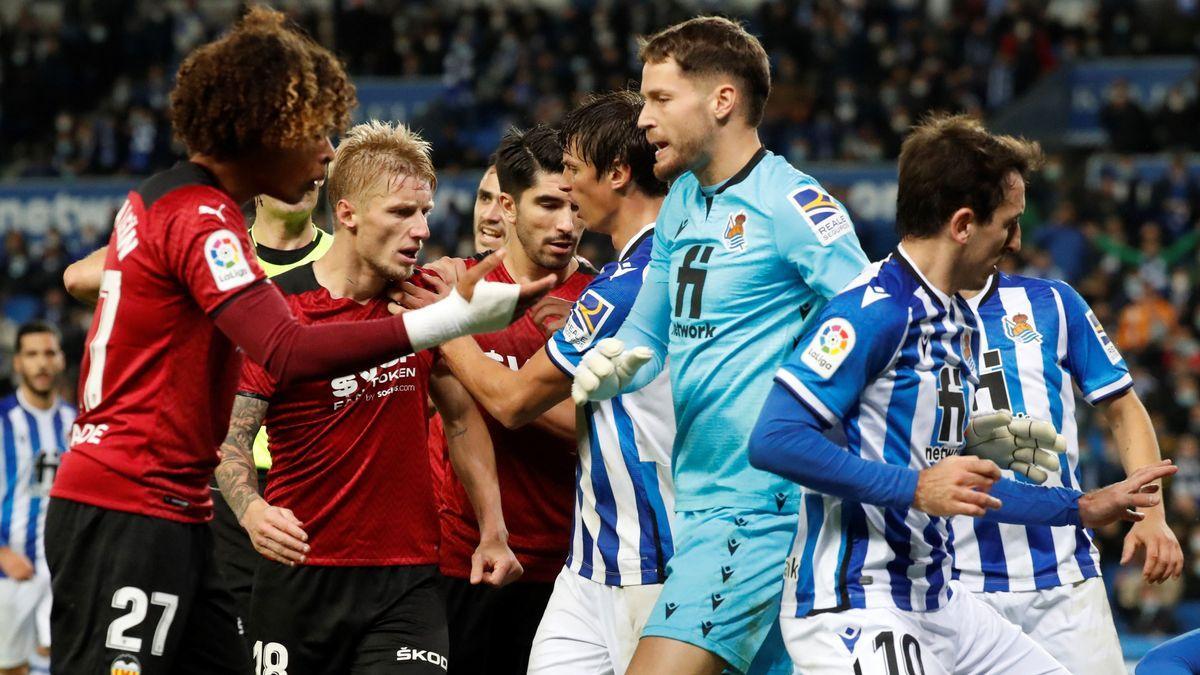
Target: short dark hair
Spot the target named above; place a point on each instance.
(949, 162)
(33, 328)
(523, 153)
(711, 45)
(605, 132)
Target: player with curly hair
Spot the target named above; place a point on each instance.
(130, 555)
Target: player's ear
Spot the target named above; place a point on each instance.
(962, 222)
(508, 207)
(343, 212)
(724, 101)
(619, 176)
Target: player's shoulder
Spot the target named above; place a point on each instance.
(1037, 287)
(881, 296)
(6, 405)
(297, 281)
(187, 185)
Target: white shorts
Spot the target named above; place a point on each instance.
(24, 619)
(1073, 622)
(589, 627)
(966, 636)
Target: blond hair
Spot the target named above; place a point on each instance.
(374, 149)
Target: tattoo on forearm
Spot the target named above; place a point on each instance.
(236, 474)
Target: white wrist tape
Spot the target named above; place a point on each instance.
(490, 309)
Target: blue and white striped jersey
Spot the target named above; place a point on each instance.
(889, 359)
(1036, 336)
(33, 441)
(624, 496)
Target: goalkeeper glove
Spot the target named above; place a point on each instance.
(605, 370)
(1025, 445)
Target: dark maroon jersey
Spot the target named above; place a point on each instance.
(348, 453)
(536, 470)
(158, 378)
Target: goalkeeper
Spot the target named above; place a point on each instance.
(1036, 337)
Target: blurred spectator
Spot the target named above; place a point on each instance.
(1148, 319)
(1126, 123)
(1067, 246)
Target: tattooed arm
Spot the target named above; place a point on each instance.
(275, 532)
(474, 462)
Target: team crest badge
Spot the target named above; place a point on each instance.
(1019, 328)
(734, 237)
(125, 664)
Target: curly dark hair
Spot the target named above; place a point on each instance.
(264, 84)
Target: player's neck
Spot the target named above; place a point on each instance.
(235, 178)
(635, 212)
(35, 400)
(731, 150)
(520, 266)
(284, 233)
(344, 273)
(937, 259)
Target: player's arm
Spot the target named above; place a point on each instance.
(514, 397)
(1177, 656)
(474, 460)
(1138, 447)
(258, 321)
(275, 532)
(814, 232)
(13, 563)
(82, 278)
(1103, 376)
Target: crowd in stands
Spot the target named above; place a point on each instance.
(83, 92)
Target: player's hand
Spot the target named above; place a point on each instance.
(275, 533)
(957, 486)
(1163, 555)
(550, 314)
(1119, 500)
(529, 293)
(15, 565)
(494, 563)
(605, 370)
(449, 269)
(1028, 446)
(411, 296)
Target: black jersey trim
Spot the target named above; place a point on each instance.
(181, 175)
(276, 256)
(297, 280)
(744, 172)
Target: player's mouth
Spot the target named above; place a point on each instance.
(408, 256)
(562, 246)
(491, 232)
(660, 149)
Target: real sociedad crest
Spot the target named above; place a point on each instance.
(1019, 328)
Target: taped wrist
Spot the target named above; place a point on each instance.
(491, 308)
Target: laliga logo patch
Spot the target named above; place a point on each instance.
(734, 237)
(586, 320)
(825, 217)
(830, 345)
(1020, 328)
(125, 664)
(226, 260)
(1110, 350)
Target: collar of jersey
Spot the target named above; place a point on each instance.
(902, 257)
(738, 177)
(632, 244)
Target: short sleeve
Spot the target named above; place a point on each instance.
(207, 247)
(256, 381)
(1092, 358)
(814, 232)
(843, 350)
(597, 314)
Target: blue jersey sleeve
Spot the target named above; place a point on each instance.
(814, 232)
(649, 320)
(1177, 656)
(1092, 358)
(843, 350)
(598, 313)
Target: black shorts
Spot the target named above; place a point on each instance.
(338, 620)
(136, 593)
(492, 629)
(236, 558)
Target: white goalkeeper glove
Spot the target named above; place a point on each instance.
(1028, 446)
(605, 370)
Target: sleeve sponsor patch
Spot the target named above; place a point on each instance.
(226, 260)
(587, 318)
(825, 217)
(1110, 349)
(830, 346)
